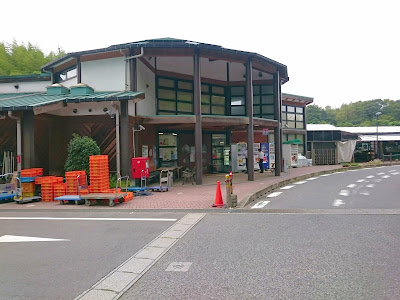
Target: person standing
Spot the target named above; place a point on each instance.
(261, 160)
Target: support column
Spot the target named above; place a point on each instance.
(124, 140)
(198, 132)
(28, 140)
(278, 130)
(250, 127)
(78, 69)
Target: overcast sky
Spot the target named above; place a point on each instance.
(336, 51)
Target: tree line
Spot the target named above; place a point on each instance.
(22, 59)
(361, 113)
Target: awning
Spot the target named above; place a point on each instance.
(381, 138)
(297, 142)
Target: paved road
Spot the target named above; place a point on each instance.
(375, 188)
(65, 269)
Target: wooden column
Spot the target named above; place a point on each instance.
(78, 69)
(28, 140)
(278, 130)
(124, 140)
(250, 127)
(198, 134)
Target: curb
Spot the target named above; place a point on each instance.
(253, 196)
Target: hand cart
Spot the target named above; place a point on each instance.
(142, 190)
(74, 198)
(20, 199)
(8, 190)
(164, 179)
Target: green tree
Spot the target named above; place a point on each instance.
(318, 115)
(21, 59)
(79, 150)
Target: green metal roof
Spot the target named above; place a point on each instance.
(30, 101)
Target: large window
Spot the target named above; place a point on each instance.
(238, 102)
(263, 101)
(174, 96)
(293, 116)
(212, 99)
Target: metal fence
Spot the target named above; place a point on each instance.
(391, 157)
(324, 157)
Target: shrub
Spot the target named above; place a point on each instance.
(79, 150)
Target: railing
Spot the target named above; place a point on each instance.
(391, 157)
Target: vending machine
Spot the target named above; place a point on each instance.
(238, 159)
(256, 146)
(227, 159)
(265, 148)
(272, 155)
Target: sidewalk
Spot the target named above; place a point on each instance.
(190, 196)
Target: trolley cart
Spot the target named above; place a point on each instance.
(74, 198)
(142, 190)
(8, 190)
(20, 199)
(163, 187)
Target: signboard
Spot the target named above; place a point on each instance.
(265, 131)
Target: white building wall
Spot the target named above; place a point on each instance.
(70, 82)
(105, 74)
(84, 109)
(146, 82)
(213, 69)
(183, 65)
(24, 87)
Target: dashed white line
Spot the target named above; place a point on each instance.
(370, 185)
(288, 187)
(385, 176)
(360, 180)
(378, 180)
(370, 176)
(352, 185)
(300, 182)
(344, 193)
(364, 193)
(395, 173)
(312, 178)
(338, 202)
(324, 175)
(380, 173)
(260, 204)
(274, 194)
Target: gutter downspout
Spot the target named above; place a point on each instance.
(118, 155)
(18, 140)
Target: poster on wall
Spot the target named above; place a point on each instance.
(145, 151)
(192, 154)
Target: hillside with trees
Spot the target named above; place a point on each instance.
(21, 59)
(361, 113)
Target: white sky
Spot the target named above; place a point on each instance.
(336, 51)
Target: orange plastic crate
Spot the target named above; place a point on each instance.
(28, 187)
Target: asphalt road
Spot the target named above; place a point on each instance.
(375, 188)
(65, 269)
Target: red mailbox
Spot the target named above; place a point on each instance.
(140, 164)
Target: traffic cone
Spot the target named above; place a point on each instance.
(218, 197)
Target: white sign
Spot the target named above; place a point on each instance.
(145, 151)
(265, 131)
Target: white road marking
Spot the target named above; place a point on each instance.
(344, 193)
(367, 168)
(370, 185)
(395, 173)
(380, 173)
(300, 182)
(260, 204)
(352, 185)
(364, 193)
(360, 180)
(370, 176)
(274, 194)
(324, 175)
(393, 170)
(87, 219)
(288, 187)
(18, 239)
(338, 202)
(385, 176)
(378, 180)
(312, 178)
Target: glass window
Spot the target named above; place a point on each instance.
(256, 110)
(205, 109)
(205, 89)
(256, 99)
(166, 105)
(166, 94)
(185, 96)
(185, 107)
(218, 100)
(218, 110)
(291, 137)
(184, 85)
(205, 99)
(283, 107)
(300, 125)
(300, 137)
(299, 117)
(237, 101)
(267, 99)
(284, 116)
(268, 116)
(218, 90)
(237, 110)
(256, 90)
(267, 89)
(299, 110)
(291, 124)
(166, 82)
(290, 108)
(268, 109)
(291, 117)
(237, 91)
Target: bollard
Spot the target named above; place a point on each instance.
(228, 191)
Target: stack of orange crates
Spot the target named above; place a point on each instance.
(72, 183)
(99, 173)
(28, 189)
(33, 172)
(59, 189)
(47, 189)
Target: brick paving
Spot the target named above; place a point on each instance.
(189, 196)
